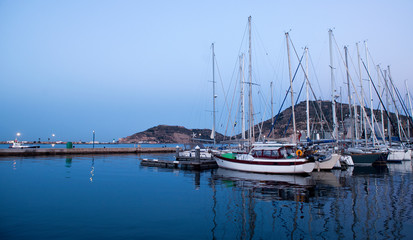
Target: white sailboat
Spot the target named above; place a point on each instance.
(269, 158)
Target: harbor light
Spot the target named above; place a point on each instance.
(93, 142)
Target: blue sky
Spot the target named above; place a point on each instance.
(120, 67)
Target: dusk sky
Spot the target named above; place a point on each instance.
(120, 67)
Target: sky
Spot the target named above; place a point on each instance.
(119, 67)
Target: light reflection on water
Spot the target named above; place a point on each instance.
(113, 196)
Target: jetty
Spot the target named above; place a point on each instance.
(80, 151)
(195, 162)
(186, 165)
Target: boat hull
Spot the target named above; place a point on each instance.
(397, 155)
(368, 157)
(327, 164)
(287, 166)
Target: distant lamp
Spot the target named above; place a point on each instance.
(17, 136)
(53, 139)
(93, 141)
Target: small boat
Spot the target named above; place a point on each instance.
(19, 145)
(327, 162)
(204, 153)
(284, 159)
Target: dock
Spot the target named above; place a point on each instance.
(186, 165)
(80, 151)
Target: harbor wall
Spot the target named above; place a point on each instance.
(77, 151)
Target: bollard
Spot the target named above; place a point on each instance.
(177, 152)
(197, 154)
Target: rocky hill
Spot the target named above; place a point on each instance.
(170, 134)
(320, 118)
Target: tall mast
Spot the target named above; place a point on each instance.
(308, 96)
(251, 116)
(381, 107)
(291, 86)
(396, 111)
(362, 120)
(371, 93)
(349, 97)
(335, 127)
(410, 101)
(241, 74)
(389, 129)
(272, 106)
(213, 93)
(341, 110)
(355, 118)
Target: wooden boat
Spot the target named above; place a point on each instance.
(284, 159)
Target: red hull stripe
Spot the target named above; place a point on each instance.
(261, 162)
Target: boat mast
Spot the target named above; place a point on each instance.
(410, 104)
(389, 130)
(272, 106)
(396, 111)
(381, 107)
(335, 127)
(362, 120)
(251, 116)
(213, 93)
(349, 97)
(355, 118)
(241, 74)
(371, 93)
(308, 96)
(291, 87)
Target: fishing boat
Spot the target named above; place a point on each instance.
(278, 159)
(19, 145)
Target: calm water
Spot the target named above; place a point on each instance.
(113, 197)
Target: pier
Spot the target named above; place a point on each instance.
(187, 165)
(79, 151)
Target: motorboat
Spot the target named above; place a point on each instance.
(20, 145)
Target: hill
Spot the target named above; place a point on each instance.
(170, 134)
(320, 120)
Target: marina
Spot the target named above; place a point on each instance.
(115, 196)
(206, 120)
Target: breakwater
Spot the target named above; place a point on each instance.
(79, 151)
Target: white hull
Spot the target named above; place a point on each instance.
(327, 164)
(346, 159)
(306, 167)
(399, 155)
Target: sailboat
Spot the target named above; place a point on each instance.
(205, 153)
(270, 157)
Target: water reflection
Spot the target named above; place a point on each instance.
(360, 203)
(357, 203)
(402, 167)
(92, 171)
(268, 187)
(68, 162)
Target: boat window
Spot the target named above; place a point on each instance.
(266, 153)
(275, 153)
(254, 154)
(283, 152)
